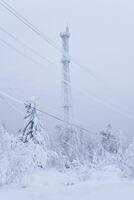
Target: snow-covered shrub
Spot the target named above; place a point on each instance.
(108, 149)
(98, 155)
(5, 151)
(106, 173)
(62, 146)
(72, 144)
(86, 146)
(109, 141)
(24, 159)
(127, 162)
(53, 159)
(21, 163)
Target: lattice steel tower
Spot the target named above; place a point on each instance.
(66, 88)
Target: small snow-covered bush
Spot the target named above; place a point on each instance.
(109, 141)
(127, 162)
(71, 144)
(106, 173)
(5, 150)
(24, 159)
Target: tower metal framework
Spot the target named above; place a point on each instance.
(66, 88)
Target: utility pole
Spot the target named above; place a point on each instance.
(66, 88)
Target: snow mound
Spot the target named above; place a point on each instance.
(108, 173)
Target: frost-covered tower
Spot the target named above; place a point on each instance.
(66, 89)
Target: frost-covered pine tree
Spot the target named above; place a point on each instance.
(33, 134)
(33, 130)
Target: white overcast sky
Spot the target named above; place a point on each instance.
(102, 39)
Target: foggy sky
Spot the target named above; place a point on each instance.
(102, 39)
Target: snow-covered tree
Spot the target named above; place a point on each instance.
(33, 134)
(65, 144)
(33, 130)
(98, 155)
(85, 146)
(127, 162)
(109, 141)
(73, 145)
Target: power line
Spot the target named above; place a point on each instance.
(18, 51)
(26, 46)
(68, 123)
(89, 72)
(14, 108)
(11, 97)
(28, 24)
(21, 53)
(45, 112)
(108, 105)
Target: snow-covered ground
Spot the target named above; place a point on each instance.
(53, 185)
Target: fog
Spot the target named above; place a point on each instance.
(101, 40)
